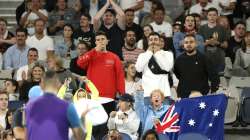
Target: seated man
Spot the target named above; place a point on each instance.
(125, 119)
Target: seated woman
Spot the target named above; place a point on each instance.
(149, 114)
(131, 81)
(241, 66)
(125, 119)
(34, 77)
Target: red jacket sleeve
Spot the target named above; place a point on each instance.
(84, 60)
(119, 76)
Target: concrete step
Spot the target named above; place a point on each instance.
(10, 3)
(8, 17)
(7, 10)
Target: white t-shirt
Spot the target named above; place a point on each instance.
(2, 121)
(198, 9)
(224, 3)
(165, 28)
(131, 87)
(43, 45)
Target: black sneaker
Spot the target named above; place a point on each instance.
(236, 124)
(243, 124)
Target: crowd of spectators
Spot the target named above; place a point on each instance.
(141, 55)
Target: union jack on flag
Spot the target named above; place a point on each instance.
(168, 122)
(201, 115)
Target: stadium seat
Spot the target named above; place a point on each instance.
(192, 136)
(163, 137)
(4, 74)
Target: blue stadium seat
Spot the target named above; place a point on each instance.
(163, 137)
(192, 136)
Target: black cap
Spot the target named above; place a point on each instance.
(127, 98)
(177, 23)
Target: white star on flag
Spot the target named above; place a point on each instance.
(210, 125)
(202, 105)
(216, 112)
(191, 122)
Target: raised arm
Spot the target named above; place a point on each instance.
(142, 60)
(84, 60)
(139, 5)
(120, 14)
(99, 14)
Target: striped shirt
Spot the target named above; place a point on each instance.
(131, 54)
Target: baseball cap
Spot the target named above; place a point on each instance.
(127, 98)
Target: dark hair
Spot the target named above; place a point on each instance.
(50, 77)
(69, 25)
(9, 112)
(72, 28)
(112, 11)
(239, 22)
(148, 132)
(212, 9)
(101, 33)
(189, 15)
(14, 83)
(126, 65)
(4, 20)
(159, 8)
(33, 49)
(154, 34)
(157, 3)
(129, 30)
(165, 47)
(85, 43)
(129, 10)
(23, 30)
(86, 15)
(144, 38)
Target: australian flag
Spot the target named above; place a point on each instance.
(202, 117)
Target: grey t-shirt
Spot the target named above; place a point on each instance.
(215, 53)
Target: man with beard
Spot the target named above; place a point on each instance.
(130, 51)
(193, 71)
(155, 65)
